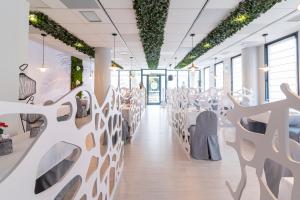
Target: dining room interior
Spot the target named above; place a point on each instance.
(150, 99)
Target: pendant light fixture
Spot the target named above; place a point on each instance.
(43, 68)
(113, 65)
(265, 68)
(131, 74)
(193, 67)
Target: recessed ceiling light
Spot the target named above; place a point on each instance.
(298, 7)
(124, 53)
(91, 16)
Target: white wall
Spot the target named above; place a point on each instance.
(55, 82)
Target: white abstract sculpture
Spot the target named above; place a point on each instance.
(97, 170)
(265, 147)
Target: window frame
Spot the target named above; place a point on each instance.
(266, 61)
(231, 69)
(215, 80)
(205, 78)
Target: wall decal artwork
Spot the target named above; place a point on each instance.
(274, 145)
(27, 87)
(91, 174)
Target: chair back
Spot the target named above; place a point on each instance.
(207, 123)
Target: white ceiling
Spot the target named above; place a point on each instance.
(181, 16)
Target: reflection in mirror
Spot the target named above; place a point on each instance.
(64, 112)
(55, 164)
(84, 109)
(18, 132)
(70, 190)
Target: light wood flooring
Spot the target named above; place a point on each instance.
(156, 168)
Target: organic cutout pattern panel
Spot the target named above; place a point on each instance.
(83, 180)
(274, 144)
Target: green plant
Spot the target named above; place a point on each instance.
(76, 72)
(151, 18)
(246, 12)
(44, 23)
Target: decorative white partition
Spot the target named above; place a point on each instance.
(181, 116)
(274, 145)
(134, 110)
(99, 165)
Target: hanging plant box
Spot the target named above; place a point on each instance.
(6, 147)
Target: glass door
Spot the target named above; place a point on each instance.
(153, 90)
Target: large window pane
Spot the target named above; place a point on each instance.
(172, 79)
(136, 78)
(206, 78)
(194, 79)
(183, 79)
(114, 78)
(124, 79)
(237, 73)
(219, 70)
(282, 64)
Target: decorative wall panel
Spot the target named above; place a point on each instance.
(94, 174)
(274, 145)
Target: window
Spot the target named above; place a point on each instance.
(236, 74)
(194, 79)
(219, 70)
(206, 78)
(172, 79)
(114, 78)
(124, 79)
(282, 63)
(183, 79)
(136, 78)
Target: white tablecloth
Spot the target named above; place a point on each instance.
(285, 188)
(63, 110)
(191, 117)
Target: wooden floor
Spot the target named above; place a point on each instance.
(156, 167)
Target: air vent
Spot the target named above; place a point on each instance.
(80, 4)
(294, 19)
(91, 16)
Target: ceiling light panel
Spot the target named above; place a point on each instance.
(91, 16)
(80, 4)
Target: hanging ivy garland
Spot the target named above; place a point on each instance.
(246, 12)
(151, 18)
(42, 22)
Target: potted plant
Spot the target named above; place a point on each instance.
(5, 143)
(2, 125)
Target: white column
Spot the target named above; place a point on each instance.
(102, 73)
(227, 75)
(252, 60)
(14, 46)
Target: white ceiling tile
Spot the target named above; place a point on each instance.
(54, 3)
(182, 16)
(122, 15)
(187, 3)
(127, 28)
(213, 15)
(117, 3)
(37, 4)
(62, 16)
(177, 28)
(288, 4)
(223, 3)
(89, 28)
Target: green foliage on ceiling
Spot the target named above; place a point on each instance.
(114, 64)
(246, 12)
(76, 72)
(151, 18)
(42, 22)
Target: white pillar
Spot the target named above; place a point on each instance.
(250, 60)
(14, 46)
(227, 75)
(102, 73)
